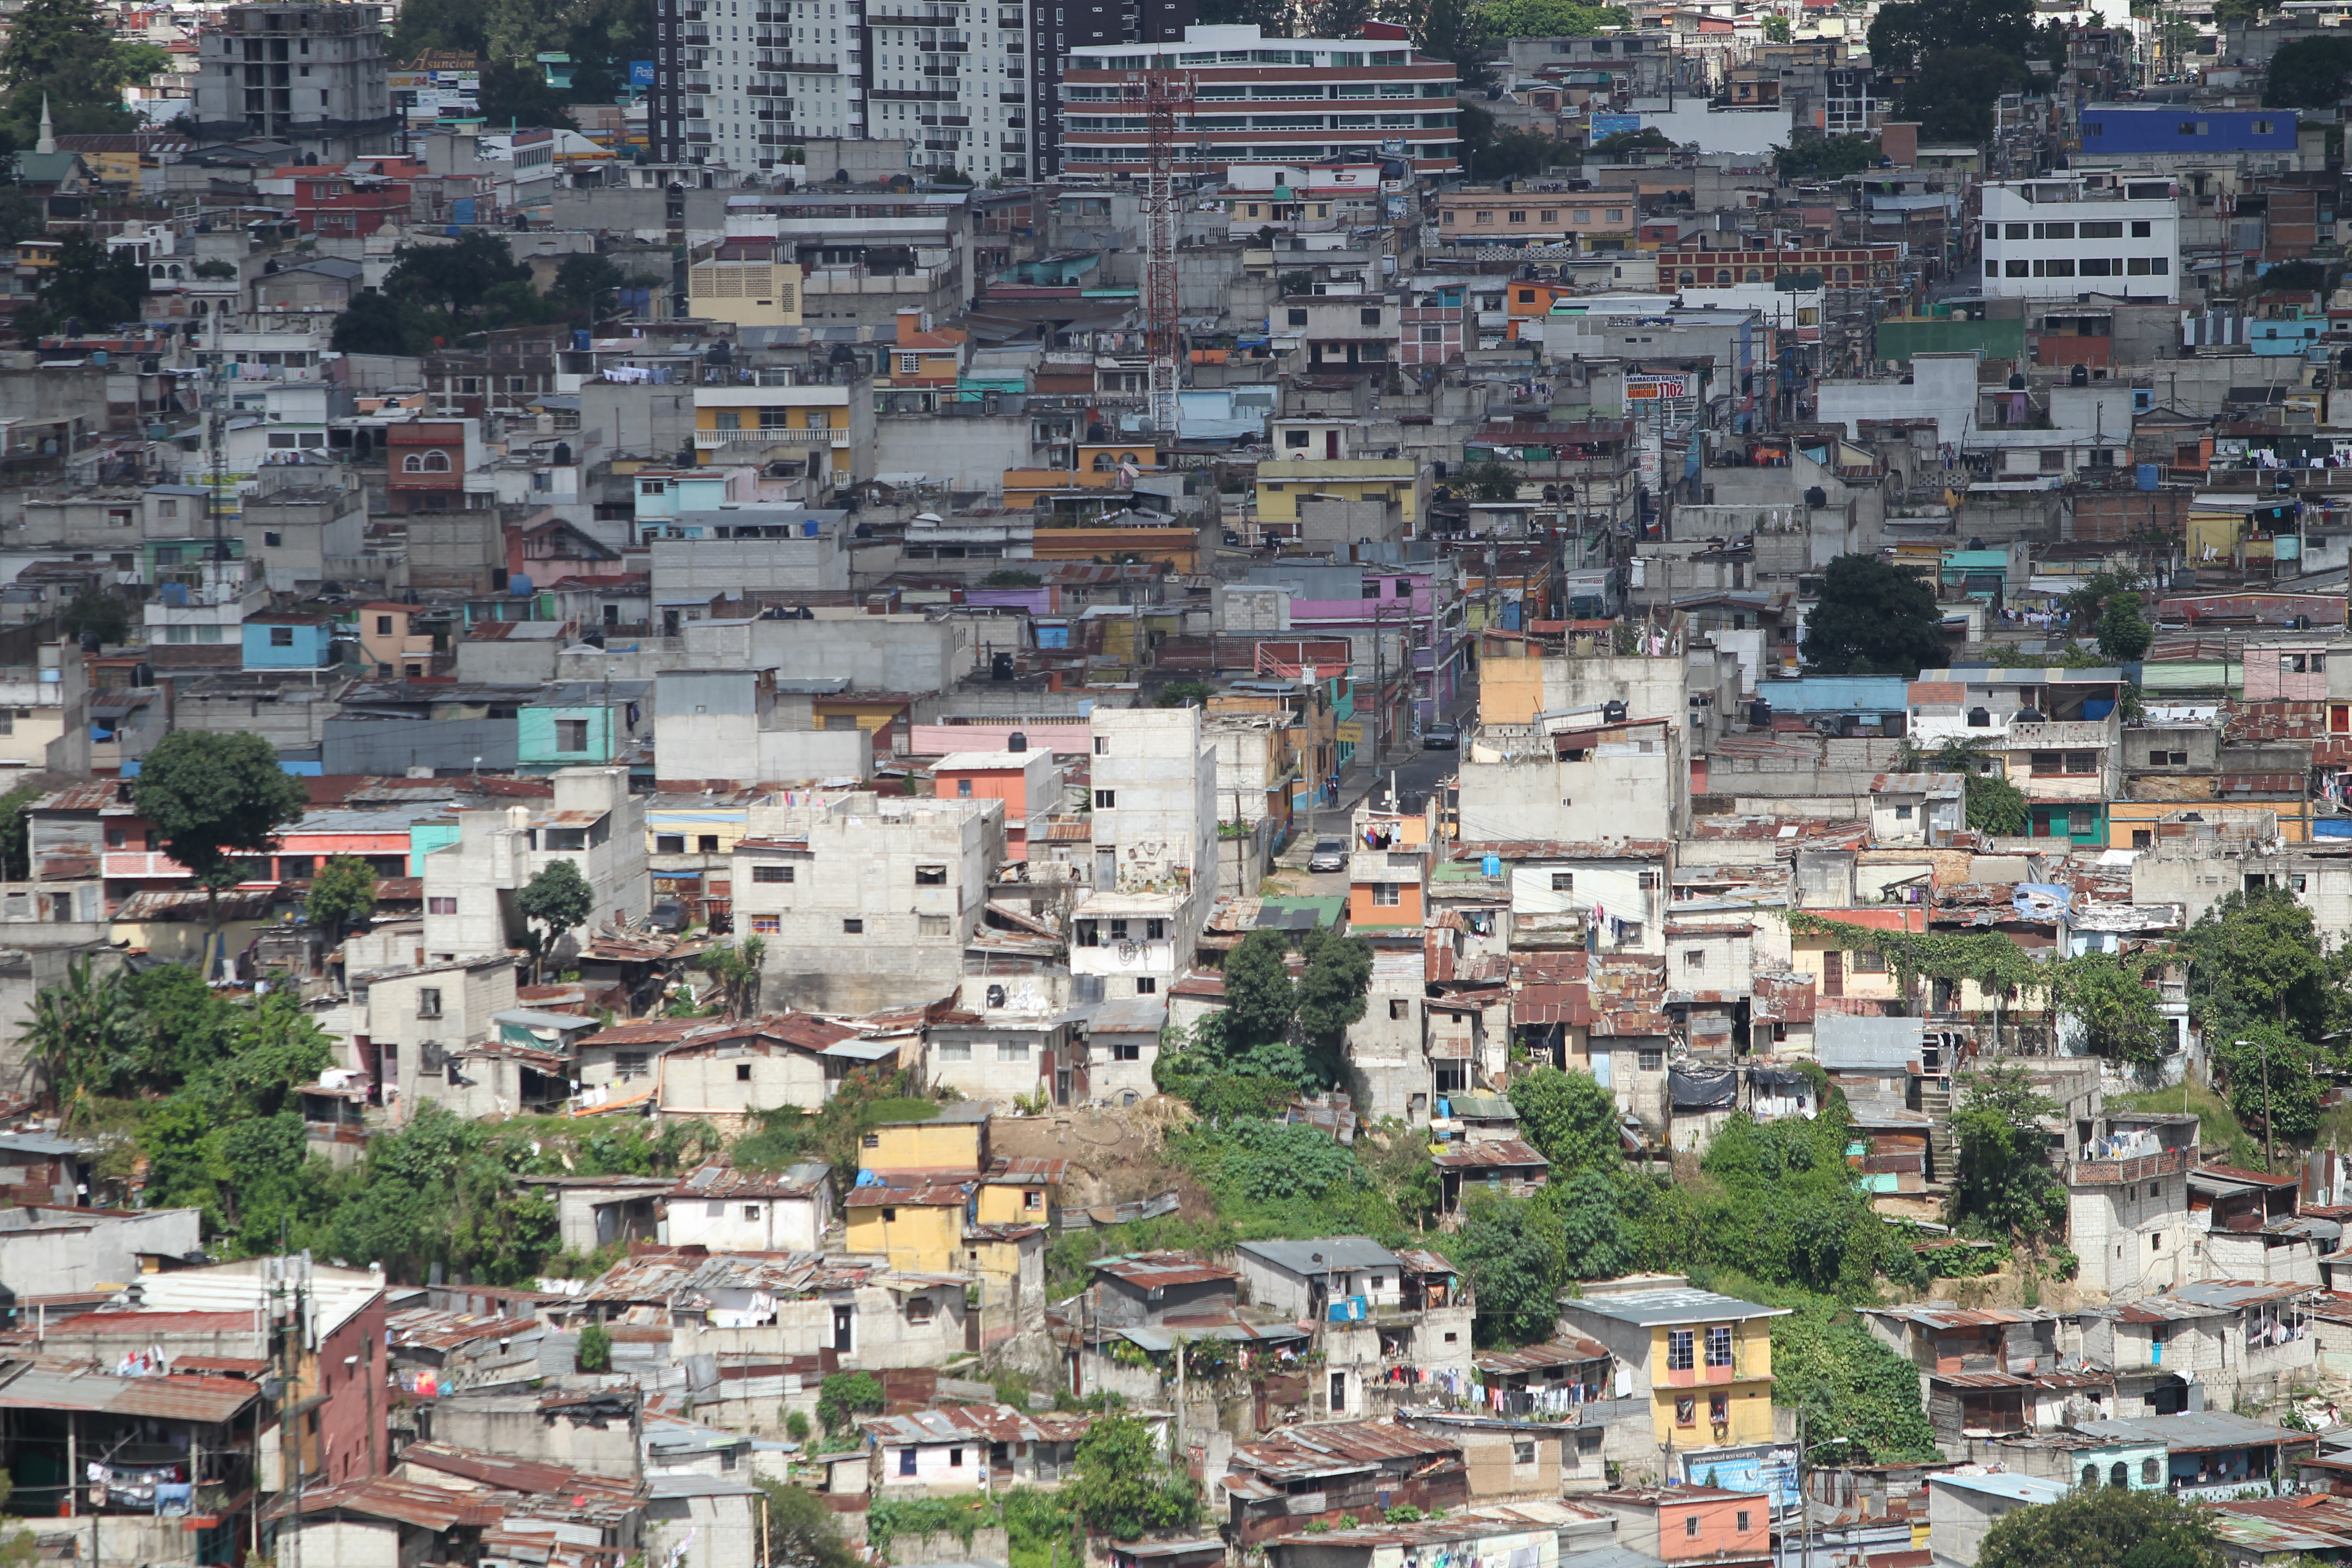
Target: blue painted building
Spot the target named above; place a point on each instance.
(2122, 130)
(288, 639)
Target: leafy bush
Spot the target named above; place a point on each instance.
(844, 1396)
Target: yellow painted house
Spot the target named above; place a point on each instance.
(918, 1229)
(1281, 484)
(954, 1143)
(1021, 1192)
(825, 425)
(1703, 1360)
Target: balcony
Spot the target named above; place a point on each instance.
(2118, 1172)
(711, 440)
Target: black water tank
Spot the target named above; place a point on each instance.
(2080, 375)
(563, 454)
(1612, 711)
(1016, 742)
(1000, 667)
(92, 642)
(1816, 497)
(1760, 714)
(142, 675)
(2029, 716)
(2017, 381)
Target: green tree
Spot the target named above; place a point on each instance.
(515, 93)
(1995, 805)
(2124, 631)
(1872, 617)
(455, 278)
(2273, 1077)
(1259, 996)
(1776, 28)
(84, 1034)
(1905, 34)
(1330, 996)
(582, 278)
(1811, 155)
(1490, 481)
(342, 894)
(1335, 18)
(1275, 18)
(1952, 97)
(1649, 139)
(556, 900)
(94, 610)
(2308, 73)
(450, 24)
(15, 851)
(1453, 30)
(2111, 1002)
(737, 970)
(2110, 1527)
(2258, 956)
(1549, 18)
(91, 289)
(64, 52)
(213, 796)
(377, 323)
(595, 1351)
(1858, 1396)
(1513, 1267)
(844, 1396)
(2005, 1181)
(799, 1531)
(1569, 1119)
(1587, 1211)
(1124, 1487)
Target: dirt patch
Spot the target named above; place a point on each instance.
(1117, 1154)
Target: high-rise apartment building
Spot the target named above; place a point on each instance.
(313, 74)
(967, 84)
(1261, 100)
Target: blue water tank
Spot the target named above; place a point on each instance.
(580, 340)
(808, 528)
(175, 593)
(2144, 476)
(519, 584)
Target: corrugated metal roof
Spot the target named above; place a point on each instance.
(964, 1423)
(202, 1399)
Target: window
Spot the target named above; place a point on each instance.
(2147, 1472)
(440, 906)
(1680, 1343)
(670, 843)
(1652, 1058)
(1106, 800)
(1388, 895)
(930, 876)
(1298, 318)
(1399, 1007)
(1869, 961)
(1695, 958)
(853, 927)
(1718, 1408)
(1127, 1053)
(1563, 881)
(771, 873)
(572, 734)
(281, 637)
(1718, 1345)
(1370, 317)
(628, 1065)
(1102, 745)
(1090, 934)
(1743, 1521)
(1523, 1453)
(963, 788)
(428, 1003)
(1690, 1526)
(743, 1075)
(1147, 985)
(1155, 929)
(768, 925)
(955, 1459)
(1012, 1050)
(933, 925)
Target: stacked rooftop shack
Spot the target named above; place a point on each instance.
(836, 586)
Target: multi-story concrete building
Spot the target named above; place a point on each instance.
(316, 76)
(1154, 829)
(961, 84)
(2081, 234)
(1258, 99)
(593, 822)
(865, 901)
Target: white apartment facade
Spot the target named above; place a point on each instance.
(1154, 841)
(2063, 236)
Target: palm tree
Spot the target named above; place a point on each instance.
(84, 1034)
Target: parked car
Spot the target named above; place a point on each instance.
(1441, 738)
(1328, 855)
